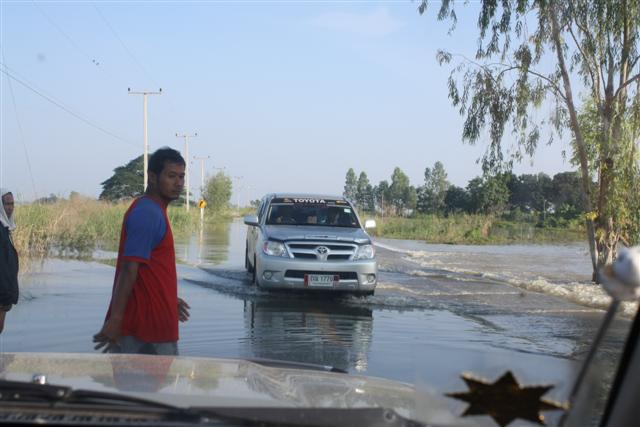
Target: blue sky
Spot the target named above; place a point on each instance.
(288, 95)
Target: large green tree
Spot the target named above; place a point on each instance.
(382, 196)
(431, 195)
(531, 192)
(364, 193)
(401, 194)
(125, 183)
(566, 195)
(457, 200)
(531, 51)
(350, 186)
(489, 193)
(217, 192)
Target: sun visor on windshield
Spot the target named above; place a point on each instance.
(309, 201)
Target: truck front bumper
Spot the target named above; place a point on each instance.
(289, 273)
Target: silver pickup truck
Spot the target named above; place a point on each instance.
(310, 242)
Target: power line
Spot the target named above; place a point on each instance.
(66, 109)
(115, 34)
(22, 139)
(94, 60)
(130, 53)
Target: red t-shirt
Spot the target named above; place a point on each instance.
(151, 314)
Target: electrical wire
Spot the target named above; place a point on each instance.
(92, 59)
(63, 107)
(133, 57)
(21, 133)
(124, 46)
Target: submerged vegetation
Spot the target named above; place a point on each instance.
(76, 227)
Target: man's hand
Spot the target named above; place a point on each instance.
(108, 335)
(183, 310)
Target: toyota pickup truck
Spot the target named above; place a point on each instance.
(310, 242)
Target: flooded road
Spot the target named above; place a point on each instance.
(438, 311)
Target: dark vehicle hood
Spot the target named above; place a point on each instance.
(315, 233)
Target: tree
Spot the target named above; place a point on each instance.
(401, 195)
(488, 194)
(456, 200)
(591, 47)
(565, 194)
(217, 192)
(530, 192)
(350, 186)
(431, 195)
(382, 195)
(125, 183)
(364, 193)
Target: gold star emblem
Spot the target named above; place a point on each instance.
(505, 400)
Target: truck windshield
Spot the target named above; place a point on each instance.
(330, 213)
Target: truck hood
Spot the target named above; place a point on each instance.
(310, 232)
(190, 381)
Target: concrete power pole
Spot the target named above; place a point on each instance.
(202, 159)
(146, 143)
(186, 152)
(238, 178)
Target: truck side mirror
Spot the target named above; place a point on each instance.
(251, 220)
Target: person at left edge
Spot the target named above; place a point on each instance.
(145, 309)
(8, 257)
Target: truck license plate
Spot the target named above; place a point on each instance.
(321, 280)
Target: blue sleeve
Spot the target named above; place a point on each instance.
(145, 228)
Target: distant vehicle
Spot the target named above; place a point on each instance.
(310, 242)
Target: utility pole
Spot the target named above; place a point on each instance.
(186, 152)
(246, 194)
(146, 143)
(202, 159)
(238, 178)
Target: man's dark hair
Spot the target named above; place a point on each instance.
(163, 155)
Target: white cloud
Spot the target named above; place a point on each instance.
(376, 23)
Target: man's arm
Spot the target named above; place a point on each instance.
(110, 332)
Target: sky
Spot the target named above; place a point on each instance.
(285, 96)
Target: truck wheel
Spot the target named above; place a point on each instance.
(247, 264)
(255, 281)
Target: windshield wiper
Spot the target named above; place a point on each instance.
(20, 391)
(62, 397)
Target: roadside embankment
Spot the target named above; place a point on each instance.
(75, 228)
(475, 229)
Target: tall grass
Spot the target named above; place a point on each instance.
(473, 229)
(75, 228)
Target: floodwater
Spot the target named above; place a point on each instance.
(438, 311)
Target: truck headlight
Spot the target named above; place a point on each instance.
(365, 252)
(274, 248)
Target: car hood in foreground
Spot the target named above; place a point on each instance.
(187, 381)
(310, 232)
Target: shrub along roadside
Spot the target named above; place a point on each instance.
(476, 229)
(76, 228)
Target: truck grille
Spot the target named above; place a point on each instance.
(322, 251)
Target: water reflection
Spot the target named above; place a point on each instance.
(301, 329)
(214, 244)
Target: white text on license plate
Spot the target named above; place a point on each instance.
(327, 280)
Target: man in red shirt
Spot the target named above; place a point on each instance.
(145, 309)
